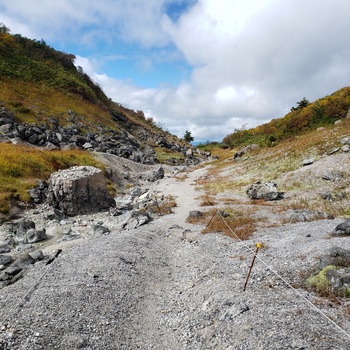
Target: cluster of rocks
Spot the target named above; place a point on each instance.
(19, 235)
(345, 147)
(76, 135)
(334, 267)
(245, 150)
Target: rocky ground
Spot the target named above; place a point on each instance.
(164, 285)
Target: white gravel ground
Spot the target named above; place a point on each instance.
(166, 286)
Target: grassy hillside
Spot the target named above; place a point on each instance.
(36, 82)
(301, 119)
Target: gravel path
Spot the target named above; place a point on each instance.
(166, 286)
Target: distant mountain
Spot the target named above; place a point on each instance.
(303, 118)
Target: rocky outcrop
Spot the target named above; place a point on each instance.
(76, 135)
(264, 190)
(79, 190)
(244, 150)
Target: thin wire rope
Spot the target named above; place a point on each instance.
(283, 279)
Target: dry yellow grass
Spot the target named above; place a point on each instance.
(235, 224)
(32, 104)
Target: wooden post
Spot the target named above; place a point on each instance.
(251, 266)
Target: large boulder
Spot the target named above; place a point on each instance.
(266, 191)
(79, 190)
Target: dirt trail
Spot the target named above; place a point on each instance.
(151, 288)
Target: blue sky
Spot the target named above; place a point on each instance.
(208, 66)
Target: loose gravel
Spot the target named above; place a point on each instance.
(167, 286)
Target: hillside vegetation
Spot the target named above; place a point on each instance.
(301, 119)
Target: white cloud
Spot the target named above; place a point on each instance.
(251, 61)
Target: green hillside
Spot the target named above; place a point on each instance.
(301, 119)
(36, 81)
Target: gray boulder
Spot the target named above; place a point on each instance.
(79, 190)
(342, 229)
(194, 215)
(266, 191)
(33, 236)
(336, 256)
(154, 175)
(100, 230)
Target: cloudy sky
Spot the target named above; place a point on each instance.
(208, 66)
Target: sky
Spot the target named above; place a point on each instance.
(207, 66)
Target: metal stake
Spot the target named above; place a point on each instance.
(251, 265)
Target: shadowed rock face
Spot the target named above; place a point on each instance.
(79, 190)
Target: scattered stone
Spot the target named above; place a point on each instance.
(53, 255)
(245, 150)
(345, 141)
(266, 191)
(38, 194)
(190, 236)
(4, 248)
(305, 215)
(13, 270)
(308, 161)
(333, 176)
(327, 196)
(37, 255)
(334, 150)
(233, 310)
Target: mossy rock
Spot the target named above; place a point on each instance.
(320, 282)
(329, 280)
